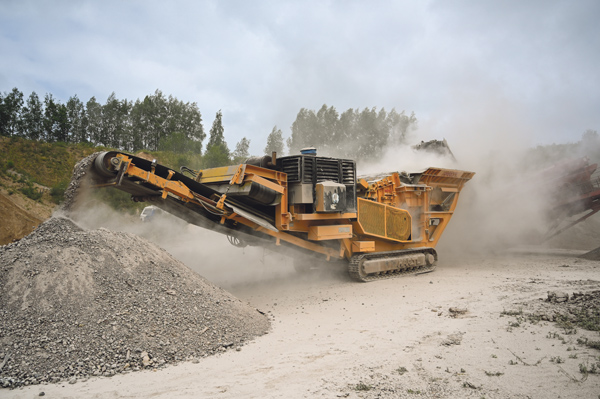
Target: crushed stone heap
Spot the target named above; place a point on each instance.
(76, 303)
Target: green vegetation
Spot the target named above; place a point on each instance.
(590, 368)
(493, 373)
(353, 134)
(588, 319)
(164, 123)
(156, 122)
(588, 343)
(51, 165)
(57, 192)
(31, 192)
(362, 387)
(47, 164)
(511, 312)
(275, 142)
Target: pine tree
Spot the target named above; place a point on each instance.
(33, 118)
(242, 150)
(11, 105)
(275, 142)
(217, 152)
(76, 117)
(56, 122)
(93, 121)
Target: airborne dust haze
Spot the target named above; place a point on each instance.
(501, 207)
(204, 251)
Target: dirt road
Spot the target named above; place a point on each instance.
(454, 333)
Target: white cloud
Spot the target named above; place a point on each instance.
(260, 62)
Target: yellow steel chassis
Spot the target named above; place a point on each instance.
(389, 191)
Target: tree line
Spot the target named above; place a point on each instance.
(127, 125)
(160, 123)
(355, 134)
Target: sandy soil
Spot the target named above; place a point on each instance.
(16, 222)
(19, 214)
(332, 337)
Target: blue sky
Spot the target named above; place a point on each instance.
(528, 69)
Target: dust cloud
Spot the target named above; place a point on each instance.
(502, 206)
(206, 252)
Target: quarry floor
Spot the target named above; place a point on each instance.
(453, 333)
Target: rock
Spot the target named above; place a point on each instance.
(453, 339)
(145, 359)
(557, 297)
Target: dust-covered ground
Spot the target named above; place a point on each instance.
(479, 326)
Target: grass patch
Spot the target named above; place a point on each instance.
(588, 319)
(44, 163)
(512, 312)
(31, 192)
(493, 373)
(567, 326)
(554, 335)
(362, 387)
(57, 192)
(51, 165)
(588, 343)
(587, 368)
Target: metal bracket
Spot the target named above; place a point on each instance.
(238, 177)
(122, 168)
(221, 201)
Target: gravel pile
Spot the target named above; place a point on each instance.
(77, 303)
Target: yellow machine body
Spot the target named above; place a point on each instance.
(381, 225)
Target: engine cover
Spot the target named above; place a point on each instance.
(330, 197)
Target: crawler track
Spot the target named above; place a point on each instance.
(402, 267)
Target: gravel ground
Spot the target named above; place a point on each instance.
(77, 303)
